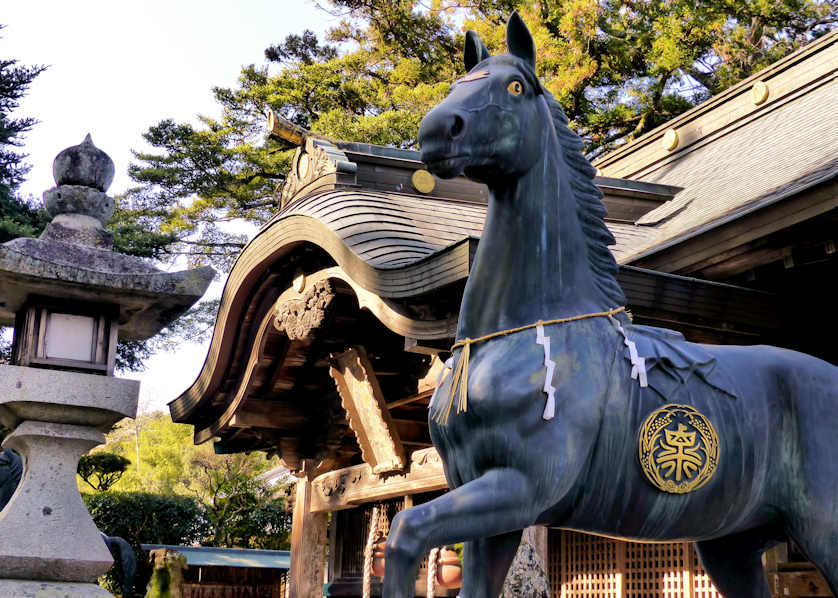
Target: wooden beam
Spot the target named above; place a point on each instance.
(308, 545)
(351, 486)
(259, 413)
(680, 254)
(367, 411)
(408, 400)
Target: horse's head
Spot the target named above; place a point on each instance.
(481, 127)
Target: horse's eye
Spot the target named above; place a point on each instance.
(516, 88)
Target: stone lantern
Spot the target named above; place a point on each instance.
(70, 297)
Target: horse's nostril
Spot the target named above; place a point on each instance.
(458, 126)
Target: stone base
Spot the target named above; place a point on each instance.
(527, 576)
(46, 529)
(24, 588)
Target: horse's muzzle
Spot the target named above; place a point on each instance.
(439, 134)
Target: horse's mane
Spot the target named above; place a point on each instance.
(590, 209)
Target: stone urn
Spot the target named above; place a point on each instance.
(449, 572)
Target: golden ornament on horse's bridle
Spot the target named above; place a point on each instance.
(678, 449)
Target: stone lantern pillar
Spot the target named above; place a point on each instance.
(70, 298)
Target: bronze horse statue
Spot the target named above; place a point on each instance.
(552, 392)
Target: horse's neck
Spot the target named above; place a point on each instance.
(531, 263)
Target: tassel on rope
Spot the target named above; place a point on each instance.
(459, 385)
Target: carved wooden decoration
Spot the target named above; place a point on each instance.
(348, 487)
(299, 318)
(367, 411)
(318, 161)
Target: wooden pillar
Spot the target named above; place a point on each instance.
(308, 545)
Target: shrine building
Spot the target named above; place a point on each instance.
(337, 315)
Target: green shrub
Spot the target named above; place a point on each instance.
(101, 470)
(142, 518)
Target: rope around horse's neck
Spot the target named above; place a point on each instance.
(459, 383)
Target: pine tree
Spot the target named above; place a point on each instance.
(18, 217)
(618, 68)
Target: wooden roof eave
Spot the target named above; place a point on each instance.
(757, 219)
(387, 312)
(276, 241)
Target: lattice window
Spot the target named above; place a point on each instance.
(586, 566)
(657, 570)
(702, 586)
(354, 524)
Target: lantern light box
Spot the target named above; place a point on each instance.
(66, 335)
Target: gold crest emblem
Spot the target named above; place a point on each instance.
(678, 449)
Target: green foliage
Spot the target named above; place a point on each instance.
(240, 510)
(174, 492)
(101, 470)
(619, 69)
(18, 217)
(143, 518)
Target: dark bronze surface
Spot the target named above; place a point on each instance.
(543, 255)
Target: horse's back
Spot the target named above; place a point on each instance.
(796, 396)
(796, 380)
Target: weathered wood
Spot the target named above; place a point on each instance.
(367, 411)
(800, 584)
(300, 318)
(259, 413)
(681, 256)
(351, 486)
(425, 394)
(308, 545)
(284, 129)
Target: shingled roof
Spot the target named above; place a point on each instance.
(735, 155)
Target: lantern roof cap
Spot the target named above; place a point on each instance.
(74, 259)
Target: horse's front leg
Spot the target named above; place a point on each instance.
(498, 502)
(486, 562)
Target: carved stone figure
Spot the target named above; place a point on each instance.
(556, 410)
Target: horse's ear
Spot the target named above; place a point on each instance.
(519, 40)
(476, 51)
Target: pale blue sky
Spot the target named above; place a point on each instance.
(118, 67)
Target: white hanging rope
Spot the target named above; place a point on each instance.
(638, 364)
(549, 389)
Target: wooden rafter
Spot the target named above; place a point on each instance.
(367, 411)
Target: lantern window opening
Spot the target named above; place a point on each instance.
(68, 335)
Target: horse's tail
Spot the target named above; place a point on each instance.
(11, 468)
(123, 553)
